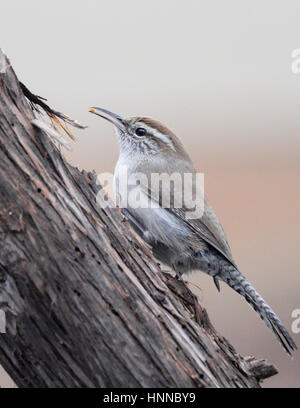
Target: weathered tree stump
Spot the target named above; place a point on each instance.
(86, 304)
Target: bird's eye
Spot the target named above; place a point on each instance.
(140, 131)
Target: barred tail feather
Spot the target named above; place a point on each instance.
(240, 284)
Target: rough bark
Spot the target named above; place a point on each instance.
(86, 304)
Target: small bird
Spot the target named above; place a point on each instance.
(182, 242)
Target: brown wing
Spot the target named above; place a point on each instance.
(208, 227)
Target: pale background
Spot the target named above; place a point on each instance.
(218, 74)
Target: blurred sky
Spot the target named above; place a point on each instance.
(219, 75)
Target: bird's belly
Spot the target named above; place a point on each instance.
(161, 228)
(171, 240)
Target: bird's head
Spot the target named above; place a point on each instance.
(144, 136)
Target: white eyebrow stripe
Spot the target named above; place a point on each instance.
(165, 139)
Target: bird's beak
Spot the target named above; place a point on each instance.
(110, 116)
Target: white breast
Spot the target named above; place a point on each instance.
(158, 223)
